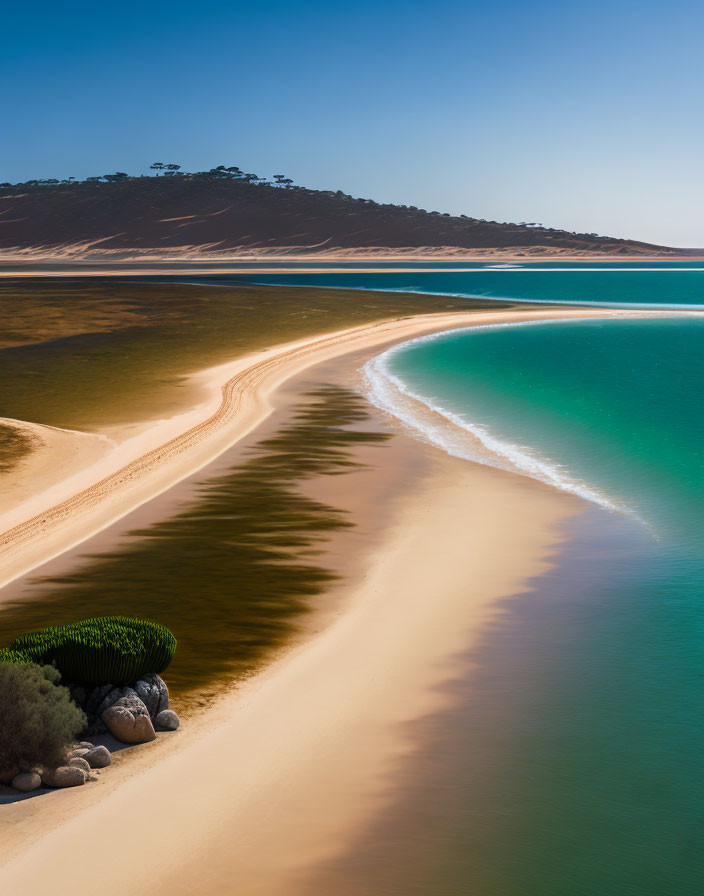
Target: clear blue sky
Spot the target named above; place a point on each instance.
(587, 116)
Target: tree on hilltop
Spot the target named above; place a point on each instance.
(157, 166)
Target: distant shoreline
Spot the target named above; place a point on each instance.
(146, 264)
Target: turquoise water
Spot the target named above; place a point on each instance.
(678, 283)
(595, 779)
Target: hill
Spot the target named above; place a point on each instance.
(218, 212)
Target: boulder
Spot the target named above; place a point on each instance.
(111, 698)
(79, 762)
(167, 720)
(128, 720)
(87, 744)
(63, 776)
(163, 694)
(152, 690)
(98, 757)
(96, 697)
(26, 781)
(78, 751)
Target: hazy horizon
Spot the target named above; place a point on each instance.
(582, 119)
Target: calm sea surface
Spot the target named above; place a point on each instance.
(678, 284)
(602, 789)
(573, 762)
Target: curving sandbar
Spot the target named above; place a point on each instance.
(283, 775)
(166, 451)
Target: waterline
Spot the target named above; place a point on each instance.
(427, 418)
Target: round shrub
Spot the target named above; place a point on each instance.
(108, 649)
(39, 719)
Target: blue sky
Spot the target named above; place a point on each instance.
(584, 116)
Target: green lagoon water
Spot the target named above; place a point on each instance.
(670, 284)
(570, 761)
(579, 769)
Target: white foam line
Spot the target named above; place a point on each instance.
(389, 393)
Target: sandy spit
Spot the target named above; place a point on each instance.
(291, 769)
(281, 775)
(66, 512)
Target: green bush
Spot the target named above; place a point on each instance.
(39, 720)
(109, 649)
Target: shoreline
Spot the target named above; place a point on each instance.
(166, 452)
(150, 262)
(300, 772)
(301, 753)
(98, 271)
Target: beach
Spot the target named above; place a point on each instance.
(48, 522)
(304, 753)
(281, 774)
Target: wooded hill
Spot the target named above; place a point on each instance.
(225, 210)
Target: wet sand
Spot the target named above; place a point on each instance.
(164, 452)
(285, 772)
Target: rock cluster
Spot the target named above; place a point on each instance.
(150, 692)
(131, 714)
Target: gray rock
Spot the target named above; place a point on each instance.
(86, 743)
(63, 776)
(154, 688)
(110, 699)
(98, 757)
(148, 693)
(163, 694)
(96, 697)
(79, 762)
(167, 720)
(26, 781)
(77, 751)
(128, 720)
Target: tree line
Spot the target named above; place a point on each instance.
(168, 169)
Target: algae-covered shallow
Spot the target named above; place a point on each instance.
(14, 446)
(233, 572)
(89, 353)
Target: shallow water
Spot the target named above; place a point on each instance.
(641, 283)
(594, 782)
(235, 565)
(86, 353)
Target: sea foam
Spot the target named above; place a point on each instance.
(459, 436)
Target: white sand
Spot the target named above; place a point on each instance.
(292, 767)
(281, 775)
(55, 518)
